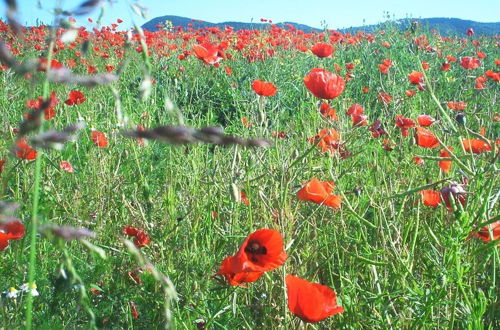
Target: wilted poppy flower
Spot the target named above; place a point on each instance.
(328, 112)
(261, 251)
(322, 50)
(141, 239)
(328, 139)
(476, 146)
(24, 151)
(388, 145)
(426, 138)
(377, 129)
(263, 88)
(445, 165)
(324, 84)
(459, 106)
(425, 120)
(99, 139)
(484, 233)
(75, 97)
(2, 163)
(66, 166)
(311, 302)
(320, 193)
(470, 63)
(11, 230)
(430, 197)
(404, 124)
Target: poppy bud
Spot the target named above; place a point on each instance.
(460, 118)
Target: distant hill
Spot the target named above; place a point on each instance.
(446, 26)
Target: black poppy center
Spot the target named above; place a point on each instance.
(254, 247)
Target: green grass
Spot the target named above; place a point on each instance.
(393, 262)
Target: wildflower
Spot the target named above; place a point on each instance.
(384, 98)
(323, 50)
(261, 251)
(458, 106)
(320, 193)
(31, 288)
(11, 293)
(99, 139)
(324, 84)
(445, 165)
(416, 78)
(453, 191)
(75, 97)
(263, 88)
(476, 146)
(66, 166)
(425, 138)
(24, 151)
(141, 238)
(208, 53)
(484, 233)
(311, 302)
(445, 66)
(418, 160)
(430, 197)
(470, 63)
(404, 124)
(328, 112)
(425, 120)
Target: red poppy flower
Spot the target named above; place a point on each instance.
(66, 166)
(141, 239)
(359, 120)
(365, 90)
(237, 279)
(492, 75)
(99, 139)
(416, 78)
(244, 198)
(450, 58)
(49, 112)
(458, 106)
(311, 302)
(245, 122)
(328, 112)
(322, 50)
(263, 88)
(54, 64)
(376, 129)
(445, 165)
(476, 146)
(324, 84)
(484, 233)
(75, 97)
(445, 66)
(470, 63)
(384, 69)
(385, 44)
(409, 92)
(425, 65)
(329, 140)
(355, 109)
(24, 151)
(384, 98)
(430, 197)
(2, 163)
(418, 160)
(261, 251)
(404, 124)
(425, 120)
(426, 138)
(11, 230)
(208, 53)
(480, 82)
(320, 193)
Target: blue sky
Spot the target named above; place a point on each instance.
(336, 14)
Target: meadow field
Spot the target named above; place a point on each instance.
(272, 179)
